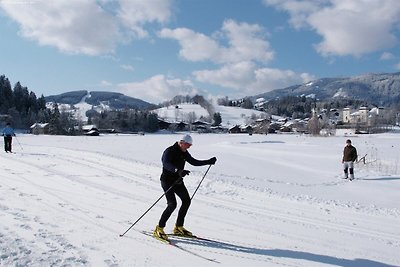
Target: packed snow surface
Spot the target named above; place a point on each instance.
(270, 200)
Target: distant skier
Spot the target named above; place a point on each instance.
(349, 156)
(173, 161)
(8, 133)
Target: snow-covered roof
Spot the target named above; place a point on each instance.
(88, 127)
(39, 125)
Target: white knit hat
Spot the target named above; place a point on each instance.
(187, 139)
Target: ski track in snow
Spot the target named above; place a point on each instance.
(66, 207)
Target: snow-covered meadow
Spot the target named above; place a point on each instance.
(271, 200)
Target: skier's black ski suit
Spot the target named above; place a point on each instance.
(173, 160)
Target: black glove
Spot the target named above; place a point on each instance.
(183, 173)
(212, 161)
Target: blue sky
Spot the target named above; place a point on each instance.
(156, 49)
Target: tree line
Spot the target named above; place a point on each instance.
(20, 106)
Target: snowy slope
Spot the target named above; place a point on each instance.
(180, 112)
(79, 110)
(275, 200)
(231, 116)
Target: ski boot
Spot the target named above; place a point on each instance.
(181, 231)
(160, 234)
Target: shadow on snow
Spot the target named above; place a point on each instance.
(381, 179)
(280, 253)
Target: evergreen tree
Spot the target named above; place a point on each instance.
(55, 126)
(247, 103)
(151, 123)
(6, 95)
(217, 118)
(41, 103)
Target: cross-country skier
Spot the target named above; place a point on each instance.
(349, 156)
(173, 161)
(8, 133)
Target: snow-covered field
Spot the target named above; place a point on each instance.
(271, 200)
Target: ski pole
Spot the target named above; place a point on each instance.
(200, 182)
(18, 143)
(179, 180)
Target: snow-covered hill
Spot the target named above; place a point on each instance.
(231, 116)
(271, 200)
(79, 102)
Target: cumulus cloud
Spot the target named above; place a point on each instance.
(239, 60)
(158, 88)
(346, 27)
(235, 76)
(135, 13)
(194, 46)
(245, 42)
(85, 26)
(299, 11)
(71, 26)
(249, 79)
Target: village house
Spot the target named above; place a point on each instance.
(261, 126)
(90, 130)
(201, 126)
(163, 124)
(241, 129)
(40, 128)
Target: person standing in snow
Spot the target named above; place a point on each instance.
(173, 161)
(349, 157)
(8, 133)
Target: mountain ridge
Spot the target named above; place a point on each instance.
(381, 89)
(95, 98)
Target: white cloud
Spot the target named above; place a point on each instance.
(299, 11)
(245, 42)
(397, 66)
(194, 46)
(71, 26)
(85, 26)
(352, 27)
(250, 79)
(235, 76)
(387, 56)
(239, 60)
(158, 88)
(135, 13)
